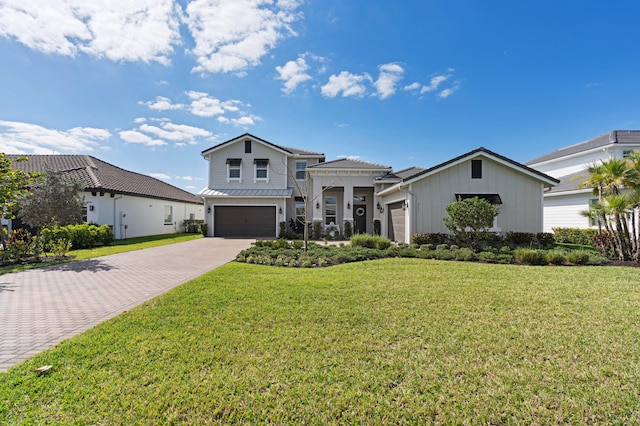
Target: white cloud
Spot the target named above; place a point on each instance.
(139, 120)
(133, 136)
(245, 121)
(181, 133)
(449, 91)
(161, 176)
(26, 138)
(412, 86)
(434, 83)
(203, 105)
(347, 83)
(293, 73)
(162, 104)
(120, 30)
(390, 75)
(233, 35)
(350, 157)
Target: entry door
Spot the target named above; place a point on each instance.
(396, 222)
(360, 219)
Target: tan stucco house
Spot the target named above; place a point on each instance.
(254, 185)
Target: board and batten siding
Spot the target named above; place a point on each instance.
(218, 167)
(521, 196)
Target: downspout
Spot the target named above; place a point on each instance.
(411, 202)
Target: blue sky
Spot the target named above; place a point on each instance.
(148, 85)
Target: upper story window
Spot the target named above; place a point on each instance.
(234, 170)
(247, 147)
(301, 170)
(476, 169)
(262, 168)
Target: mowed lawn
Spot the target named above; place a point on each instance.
(394, 341)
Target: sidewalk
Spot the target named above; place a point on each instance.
(42, 307)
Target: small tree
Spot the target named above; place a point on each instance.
(14, 185)
(470, 219)
(54, 201)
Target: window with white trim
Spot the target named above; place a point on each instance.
(261, 166)
(234, 169)
(168, 215)
(300, 213)
(301, 170)
(330, 210)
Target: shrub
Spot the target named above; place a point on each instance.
(487, 256)
(348, 231)
(530, 256)
(520, 239)
(578, 257)
(19, 245)
(316, 230)
(435, 239)
(442, 247)
(370, 241)
(203, 229)
(545, 239)
(574, 235)
(465, 254)
(604, 243)
(426, 247)
(556, 257)
(377, 227)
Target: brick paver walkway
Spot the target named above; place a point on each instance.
(42, 307)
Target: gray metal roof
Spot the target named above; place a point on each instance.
(97, 175)
(400, 174)
(622, 137)
(264, 193)
(347, 163)
(288, 149)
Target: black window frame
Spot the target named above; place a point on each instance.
(476, 169)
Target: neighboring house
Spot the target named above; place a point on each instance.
(255, 185)
(132, 204)
(564, 204)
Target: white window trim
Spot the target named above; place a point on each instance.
(296, 170)
(255, 174)
(230, 179)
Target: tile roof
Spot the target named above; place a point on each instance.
(209, 192)
(97, 175)
(346, 163)
(570, 182)
(288, 149)
(622, 137)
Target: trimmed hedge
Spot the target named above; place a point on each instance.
(574, 235)
(81, 236)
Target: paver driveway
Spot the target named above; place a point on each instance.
(42, 307)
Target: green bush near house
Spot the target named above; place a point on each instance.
(574, 235)
(370, 241)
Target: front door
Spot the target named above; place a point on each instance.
(360, 219)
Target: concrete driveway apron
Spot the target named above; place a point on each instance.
(42, 307)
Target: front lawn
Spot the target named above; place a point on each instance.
(392, 341)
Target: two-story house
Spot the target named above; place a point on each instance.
(254, 185)
(565, 203)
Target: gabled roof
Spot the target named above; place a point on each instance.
(285, 149)
(97, 175)
(571, 182)
(478, 152)
(621, 137)
(348, 164)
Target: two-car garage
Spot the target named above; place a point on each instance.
(244, 221)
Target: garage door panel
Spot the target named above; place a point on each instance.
(396, 222)
(245, 221)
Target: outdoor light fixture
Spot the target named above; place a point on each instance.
(317, 205)
(348, 205)
(280, 210)
(380, 208)
(209, 210)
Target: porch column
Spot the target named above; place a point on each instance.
(347, 204)
(316, 200)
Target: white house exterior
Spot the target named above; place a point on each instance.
(417, 204)
(564, 204)
(255, 185)
(132, 204)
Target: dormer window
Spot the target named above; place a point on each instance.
(234, 170)
(261, 169)
(476, 169)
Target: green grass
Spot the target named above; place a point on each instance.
(393, 341)
(119, 246)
